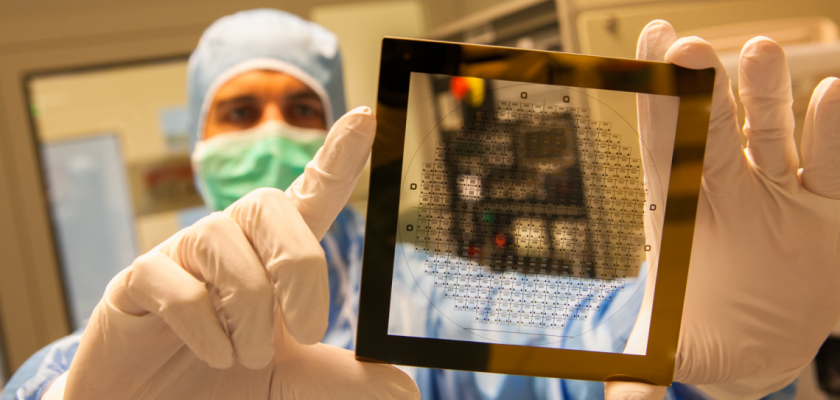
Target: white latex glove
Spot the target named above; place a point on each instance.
(233, 306)
(764, 281)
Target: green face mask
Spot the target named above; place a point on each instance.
(272, 154)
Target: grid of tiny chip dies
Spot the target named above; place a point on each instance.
(532, 293)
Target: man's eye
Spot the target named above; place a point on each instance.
(240, 114)
(305, 111)
(304, 114)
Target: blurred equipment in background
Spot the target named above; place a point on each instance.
(528, 24)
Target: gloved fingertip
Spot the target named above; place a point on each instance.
(761, 45)
(692, 52)
(620, 390)
(828, 91)
(257, 361)
(762, 57)
(307, 332)
(833, 82)
(357, 116)
(659, 24)
(219, 358)
(361, 110)
(216, 351)
(659, 28)
(360, 120)
(654, 41)
(305, 312)
(394, 381)
(821, 142)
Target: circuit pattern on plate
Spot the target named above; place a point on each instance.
(530, 214)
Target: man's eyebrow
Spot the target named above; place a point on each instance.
(236, 100)
(303, 95)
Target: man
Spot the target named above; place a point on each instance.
(263, 88)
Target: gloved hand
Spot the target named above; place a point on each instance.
(233, 306)
(764, 281)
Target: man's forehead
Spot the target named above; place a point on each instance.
(259, 83)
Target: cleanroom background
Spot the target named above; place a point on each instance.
(69, 70)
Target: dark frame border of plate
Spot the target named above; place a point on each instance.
(401, 57)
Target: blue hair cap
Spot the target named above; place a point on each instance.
(264, 39)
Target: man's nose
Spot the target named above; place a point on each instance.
(272, 112)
